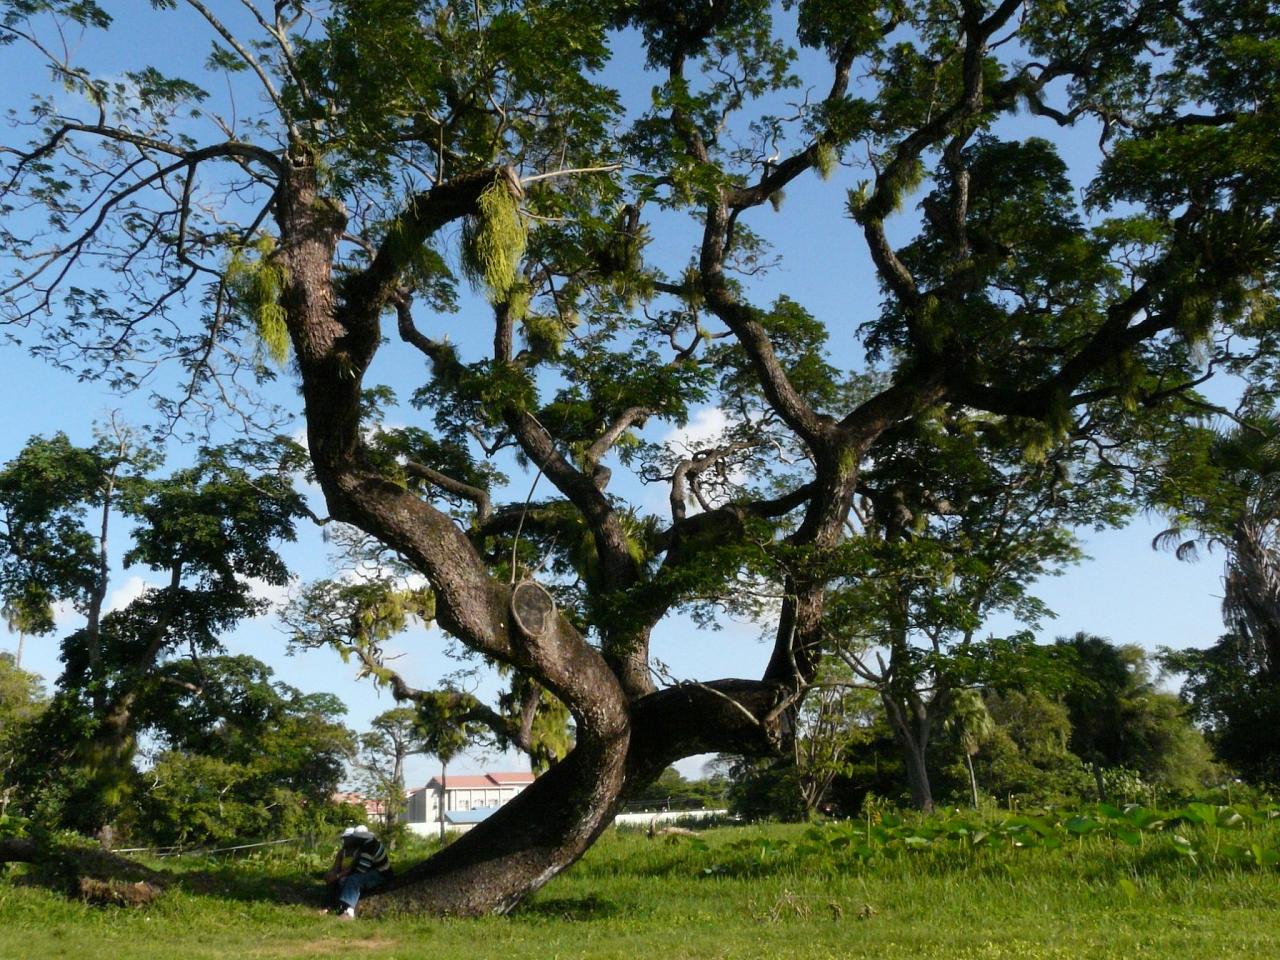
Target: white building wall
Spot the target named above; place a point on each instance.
(424, 803)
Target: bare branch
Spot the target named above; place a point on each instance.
(251, 61)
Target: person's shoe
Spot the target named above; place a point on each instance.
(347, 913)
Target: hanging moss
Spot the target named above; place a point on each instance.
(518, 299)
(493, 241)
(856, 201)
(691, 288)
(1037, 439)
(257, 281)
(825, 159)
(544, 335)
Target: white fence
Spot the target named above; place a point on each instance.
(659, 817)
(664, 816)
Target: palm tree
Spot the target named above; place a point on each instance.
(21, 619)
(970, 721)
(1238, 509)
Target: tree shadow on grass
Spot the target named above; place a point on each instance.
(103, 878)
(582, 909)
(98, 876)
(246, 885)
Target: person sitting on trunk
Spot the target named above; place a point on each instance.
(361, 864)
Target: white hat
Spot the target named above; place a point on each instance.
(360, 831)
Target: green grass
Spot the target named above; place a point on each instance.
(778, 891)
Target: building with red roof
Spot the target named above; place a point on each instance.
(373, 808)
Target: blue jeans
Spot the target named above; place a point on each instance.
(351, 887)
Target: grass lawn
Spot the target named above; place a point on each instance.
(746, 892)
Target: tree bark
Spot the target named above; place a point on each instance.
(97, 596)
(918, 778)
(523, 844)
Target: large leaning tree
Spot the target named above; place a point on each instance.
(370, 152)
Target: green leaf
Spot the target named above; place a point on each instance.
(1126, 835)
(1229, 819)
(1082, 825)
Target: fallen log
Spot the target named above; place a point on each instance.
(18, 850)
(91, 873)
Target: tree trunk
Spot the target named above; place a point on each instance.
(94, 875)
(108, 755)
(444, 793)
(626, 734)
(547, 827)
(98, 595)
(523, 844)
(973, 780)
(913, 753)
(918, 779)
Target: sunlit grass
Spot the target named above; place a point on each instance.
(775, 891)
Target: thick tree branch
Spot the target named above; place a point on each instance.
(484, 506)
(373, 288)
(630, 417)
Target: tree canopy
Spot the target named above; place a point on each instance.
(397, 149)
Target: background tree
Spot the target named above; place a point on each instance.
(21, 700)
(1027, 759)
(959, 519)
(209, 530)
(238, 755)
(1237, 704)
(672, 790)
(972, 724)
(1222, 490)
(1119, 720)
(385, 123)
(392, 739)
(20, 620)
(763, 789)
(831, 728)
(53, 549)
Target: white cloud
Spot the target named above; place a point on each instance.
(126, 593)
(275, 594)
(67, 618)
(706, 424)
(704, 430)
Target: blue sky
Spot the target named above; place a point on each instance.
(1126, 591)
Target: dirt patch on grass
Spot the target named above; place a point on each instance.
(330, 945)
